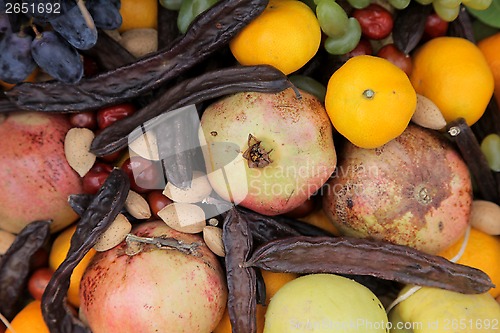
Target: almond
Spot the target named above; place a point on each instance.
(485, 216)
(77, 149)
(199, 190)
(137, 206)
(114, 235)
(213, 238)
(146, 146)
(184, 217)
(427, 114)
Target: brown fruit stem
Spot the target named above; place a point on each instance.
(256, 155)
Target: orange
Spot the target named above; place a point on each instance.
(137, 14)
(453, 73)
(482, 252)
(273, 282)
(370, 101)
(319, 219)
(490, 47)
(58, 252)
(29, 320)
(285, 35)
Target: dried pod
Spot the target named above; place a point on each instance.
(427, 114)
(183, 217)
(114, 235)
(213, 238)
(77, 149)
(146, 146)
(199, 190)
(6, 240)
(137, 206)
(485, 216)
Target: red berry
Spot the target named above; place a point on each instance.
(38, 281)
(376, 21)
(109, 115)
(83, 119)
(157, 201)
(397, 57)
(435, 26)
(144, 175)
(96, 176)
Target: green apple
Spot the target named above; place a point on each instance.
(323, 303)
(433, 310)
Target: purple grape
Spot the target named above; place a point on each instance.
(106, 14)
(56, 57)
(73, 26)
(16, 62)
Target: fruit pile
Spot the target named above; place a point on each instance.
(250, 166)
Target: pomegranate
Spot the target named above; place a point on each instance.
(267, 152)
(138, 286)
(414, 190)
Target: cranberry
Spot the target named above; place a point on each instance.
(144, 175)
(376, 21)
(83, 119)
(435, 26)
(157, 201)
(109, 115)
(38, 281)
(397, 57)
(96, 176)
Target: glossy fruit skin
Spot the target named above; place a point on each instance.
(363, 48)
(36, 178)
(396, 56)
(157, 201)
(145, 175)
(415, 190)
(443, 310)
(435, 26)
(376, 21)
(86, 119)
(154, 290)
(327, 303)
(454, 74)
(93, 180)
(111, 114)
(285, 35)
(295, 133)
(38, 282)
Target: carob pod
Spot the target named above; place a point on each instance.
(100, 213)
(108, 53)
(409, 26)
(208, 32)
(241, 280)
(207, 86)
(15, 265)
(345, 255)
(80, 202)
(461, 134)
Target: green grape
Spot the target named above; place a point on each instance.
(359, 4)
(347, 42)
(450, 4)
(477, 4)
(490, 146)
(332, 18)
(171, 4)
(424, 2)
(399, 4)
(309, 85)
(189, 10)
(447, 14)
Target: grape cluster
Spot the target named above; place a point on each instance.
(49, 34)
